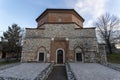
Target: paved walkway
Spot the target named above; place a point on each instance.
(93, 71)
(114, 66)
(24, 71)
(58, 73)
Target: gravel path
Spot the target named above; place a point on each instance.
(27, 71)
(93, 71)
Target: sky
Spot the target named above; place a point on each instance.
(24, 12)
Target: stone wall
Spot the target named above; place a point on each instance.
(31, 47)
(84, 38)
(102, 51)
(88, 45)
(60, 30)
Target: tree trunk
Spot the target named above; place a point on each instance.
(109, 47)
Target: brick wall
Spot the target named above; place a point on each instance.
(60, 18)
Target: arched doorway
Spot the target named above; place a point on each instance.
(41, 54)
(79, 55)
(60, 56)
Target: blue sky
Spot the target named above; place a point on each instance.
(24, 12)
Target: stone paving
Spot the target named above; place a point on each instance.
(58, 73)
(25, 71)
(93, 71)
(113, 66)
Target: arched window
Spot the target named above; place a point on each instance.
(78, 54)
(41, 53)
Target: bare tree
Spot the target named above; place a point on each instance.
(106, 27)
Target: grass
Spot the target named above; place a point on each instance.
(8, 62)
(113, 58)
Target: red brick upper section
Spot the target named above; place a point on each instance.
(56, 16)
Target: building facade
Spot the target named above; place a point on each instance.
(60, 37)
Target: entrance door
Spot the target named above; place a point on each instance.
(78, 56)
(60, 57)
(41, 56)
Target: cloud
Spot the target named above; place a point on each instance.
(89, 23)
(119, 16)
(92, 7)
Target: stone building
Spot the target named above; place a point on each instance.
(60, 37)
(0, 50)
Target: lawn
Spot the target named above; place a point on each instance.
(113, 58)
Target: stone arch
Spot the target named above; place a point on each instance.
(63, 54)
(79, 49)
(41, 50)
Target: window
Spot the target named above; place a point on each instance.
(78, 56)
(41, 56)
